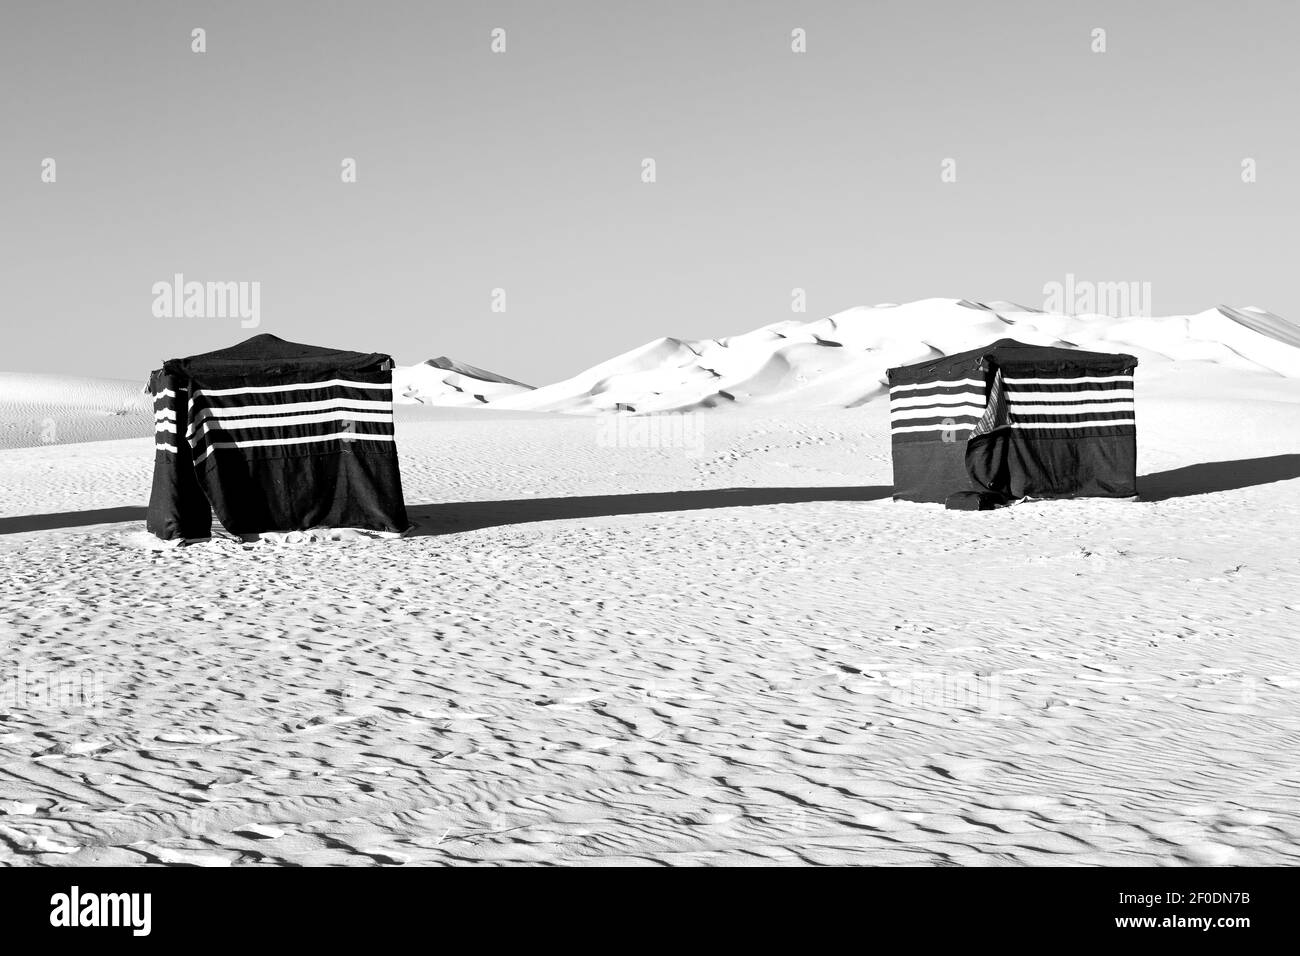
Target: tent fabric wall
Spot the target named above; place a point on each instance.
(1025, 421)
(276, 436)
(178, 507)
(933, 409)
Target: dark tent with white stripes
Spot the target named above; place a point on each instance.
(274, 436)
(1009, 421)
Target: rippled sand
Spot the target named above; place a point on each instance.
(735, 650)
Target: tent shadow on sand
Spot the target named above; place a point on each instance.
(451, 517)
(71, 519)
(454, 517)
(1212, 476)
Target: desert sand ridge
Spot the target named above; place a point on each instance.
(471, 371)
(838, 361)
(841, 360)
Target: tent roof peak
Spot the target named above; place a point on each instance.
(268, 355)
(1008, 351)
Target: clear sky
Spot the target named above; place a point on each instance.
(522, 170)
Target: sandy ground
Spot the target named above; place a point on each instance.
(38, 409)
(732, 650)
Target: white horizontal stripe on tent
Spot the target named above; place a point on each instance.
(234, 411)
(1086, 379)
(312, 419)
(1102, 424)
(957, 384)
(165, 427)
(165, 415)
(930, 428)
(956, 398)
(167, 393)
(1074, 395)
(163, 446)
(944, 411)
(1087, 408)
(267, 442)
(293, 387)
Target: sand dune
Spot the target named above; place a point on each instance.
(841, 360)
(444, 381)
(834, 362)
(54, 409)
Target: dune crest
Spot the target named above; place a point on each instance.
(840, 361)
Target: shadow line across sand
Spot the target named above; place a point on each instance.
(71, 519)
(460, 516)
(451, 517)
(454, 516)
(1211, 476)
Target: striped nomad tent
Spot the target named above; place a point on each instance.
(1009, 421)
(274, 436)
